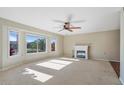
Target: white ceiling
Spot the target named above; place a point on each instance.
(96, 19)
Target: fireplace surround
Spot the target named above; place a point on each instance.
(81, 51)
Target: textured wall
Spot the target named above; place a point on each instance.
(102, 45)
(122, 48)
(8, 61)
(0, 47)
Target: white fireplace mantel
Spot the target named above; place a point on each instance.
(81, 48)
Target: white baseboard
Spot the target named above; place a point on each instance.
(114, 60)
(107, 60)
(23, 62)
(121, 81)
(11, 66)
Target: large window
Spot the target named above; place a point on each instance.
(42, 44)
(53, 44)
(31, 44)
(13, 39)
(35, 44)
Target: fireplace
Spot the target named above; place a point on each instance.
(81, 52)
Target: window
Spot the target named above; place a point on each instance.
(31, 44)
(13, 39)
(41, 44)
(35, 44)
(53, 44)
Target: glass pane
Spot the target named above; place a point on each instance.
(31, 43)
(42, 44)
(53, 44)
(13, 39)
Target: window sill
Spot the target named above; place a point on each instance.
(37, 53)
(14, 56)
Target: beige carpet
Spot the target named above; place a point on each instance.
(61, 71)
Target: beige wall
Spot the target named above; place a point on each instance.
(0, 47)
(122, 48)
(102, 45)
(23, 57)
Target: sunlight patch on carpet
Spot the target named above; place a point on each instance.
(54, 64)
(42, 77)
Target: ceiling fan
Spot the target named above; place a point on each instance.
(67, 25)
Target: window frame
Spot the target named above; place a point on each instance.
(8, 36)
(37, 35)
(55, 44)
(45, 44)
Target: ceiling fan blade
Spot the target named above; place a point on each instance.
(75, 28)
(77, 21)
(57, 27)
(70, 30)
(60, 26)
(59, 21)
(60, 30)
(69, 18)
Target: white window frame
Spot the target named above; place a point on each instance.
(45, 45)
(13, 30)
(37, 35)
(55, 44)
